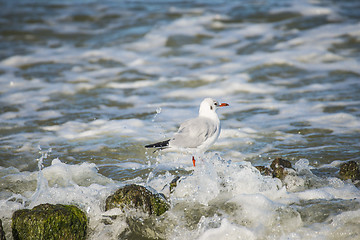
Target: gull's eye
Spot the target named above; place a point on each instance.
(215, 103)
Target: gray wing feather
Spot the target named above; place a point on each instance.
(192, 133)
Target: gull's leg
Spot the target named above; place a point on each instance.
(193, 160)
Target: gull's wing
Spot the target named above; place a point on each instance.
(159, 145)
(194, 132)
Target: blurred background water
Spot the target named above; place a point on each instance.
(91, 82)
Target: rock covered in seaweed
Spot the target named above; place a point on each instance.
(173, 184)
(279, 168)
(47, 221)
(279, 162)
(138, 197)
(349, 170)
(264, 170)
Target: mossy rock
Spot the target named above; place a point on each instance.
(49, 222)
(264, 170)
(279, 162)
(280, 173)
(138, 197)
(173, 184)
(279, 166)
(2, 233)
(349, 170)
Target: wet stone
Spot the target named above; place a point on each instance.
(280, 173)
(279, 167)
(2, 233)
(174, 183)
(138, 197)
(47, 221)
(349, 170)
(264, 170)
(144, 228)
(279, 162)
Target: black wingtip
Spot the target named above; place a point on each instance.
(162, 144)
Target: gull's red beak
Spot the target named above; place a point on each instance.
(223, 105)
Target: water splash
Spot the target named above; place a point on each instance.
(158, 111)
(44, 155)
(42, 183)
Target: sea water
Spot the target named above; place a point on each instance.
(84, 85)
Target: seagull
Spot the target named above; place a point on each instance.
(196, 134)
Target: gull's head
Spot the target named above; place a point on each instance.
(209, 106)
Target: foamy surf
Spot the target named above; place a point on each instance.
(220, 197)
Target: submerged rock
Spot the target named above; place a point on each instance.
(349, 170)
(144, 228)
(138, 197)
(2, 233)
(47, 221)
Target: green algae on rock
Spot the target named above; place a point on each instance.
(279, 166)
(47, 221)
(138, 197)
(173, 184)
(349, 170)
(264, 170)
(280, 162)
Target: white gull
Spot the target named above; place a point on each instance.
(197, 134)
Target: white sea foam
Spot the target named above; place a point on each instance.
(259, 200)
(228, 231)
(259, 203)
(78, 130)
(339, 122)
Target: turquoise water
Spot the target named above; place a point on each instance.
(90, 83)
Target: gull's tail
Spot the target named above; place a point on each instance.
(159, 145)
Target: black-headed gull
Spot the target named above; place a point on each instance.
(197, 134)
